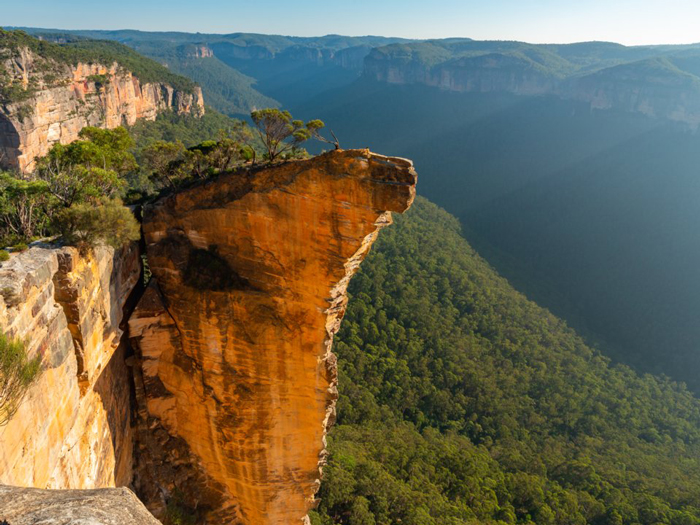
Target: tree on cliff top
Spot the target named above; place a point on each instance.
(88, 169)
(281, 134)
(22, 205)
(17, 373)
(74, 192)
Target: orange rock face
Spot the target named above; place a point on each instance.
(238, 382)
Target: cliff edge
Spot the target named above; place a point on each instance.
(26, 506)
(238, 384)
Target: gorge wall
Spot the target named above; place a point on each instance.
(488, 73)
(73, 429)
(648, 87)
(232, 384)
(58, 100)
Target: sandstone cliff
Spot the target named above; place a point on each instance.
(73, 428)
(653, 87)
(195, 51)
(226, 402)
(239, 382)
(53, 101)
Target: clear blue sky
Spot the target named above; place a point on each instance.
(624, 21)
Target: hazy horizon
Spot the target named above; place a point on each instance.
(324, 35)
(645, 22)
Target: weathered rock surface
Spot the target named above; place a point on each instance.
(238, 383)
(26, 506)
(73, 428)
(74, 97)
(195, 51)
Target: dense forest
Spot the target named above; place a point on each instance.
(463, 402)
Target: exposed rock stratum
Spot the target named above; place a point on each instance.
(62, 99)
(27, 506)
(73, 429)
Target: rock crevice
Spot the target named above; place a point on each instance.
(73, 428)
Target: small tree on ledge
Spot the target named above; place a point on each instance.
(17, 373)
(279, 133)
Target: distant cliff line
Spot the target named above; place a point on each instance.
(48, 93)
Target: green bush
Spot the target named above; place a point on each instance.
(99, 80)
(17, 373)
(9, 295)
(177, 512)
(4, 255)
(86, 225)
(20, 247)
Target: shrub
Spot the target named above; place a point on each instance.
(177, 512)
(17, 373)
(9, 295)
(4, 255)
(99, 80)
(20, 247)
(24, 112)
(86, 225)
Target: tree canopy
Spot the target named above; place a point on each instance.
(462, 402)
(280, 133)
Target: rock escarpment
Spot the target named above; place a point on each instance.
(234, 334)
(73, 429)
(224, 406)
(27, 506)
(53, 101)
(653, 87)
(195, 51)
(488, 73)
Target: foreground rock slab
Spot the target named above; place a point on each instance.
(26, 506)
(234, 334)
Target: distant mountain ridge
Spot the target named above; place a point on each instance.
(242, 71)
(658, 81)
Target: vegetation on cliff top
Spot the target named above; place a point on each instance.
(462, 402)
(74, 192)
(91, 52)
